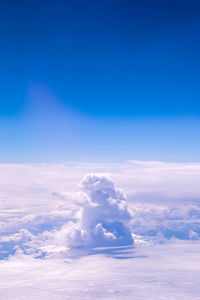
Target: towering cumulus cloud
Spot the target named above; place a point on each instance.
(104, 217)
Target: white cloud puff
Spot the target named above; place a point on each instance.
(104, 216)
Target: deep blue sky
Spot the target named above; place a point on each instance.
(103, 65)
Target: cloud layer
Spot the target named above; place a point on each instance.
(170, 271)
(47, 222)
(45, 213)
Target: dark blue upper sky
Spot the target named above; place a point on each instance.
(103, 58)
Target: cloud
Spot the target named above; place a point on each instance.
(104, 217)
(101, 220)
(169, 271)
(141, 180)
(160, 223)
(44, 215)
(44, 212)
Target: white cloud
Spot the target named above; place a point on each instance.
(44, 214)
(104, 216)
(138, 179)
(160, 223)
(44, 202)
(169, 271)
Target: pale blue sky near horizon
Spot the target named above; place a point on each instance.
(63, 134)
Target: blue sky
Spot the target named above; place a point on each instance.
(99, 80)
